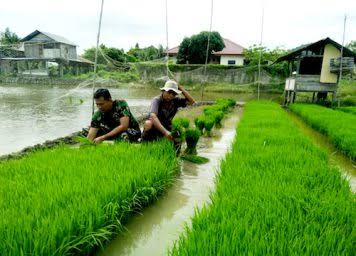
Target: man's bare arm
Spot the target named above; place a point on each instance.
(186, 94)
(124, 125)
(92, 133)
(157, 124)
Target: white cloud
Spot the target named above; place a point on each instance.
(287, 23)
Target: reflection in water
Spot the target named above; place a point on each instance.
(336, 158)
(155, 230)
(31, 114)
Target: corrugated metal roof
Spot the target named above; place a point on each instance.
(316, 45)
(54, 37)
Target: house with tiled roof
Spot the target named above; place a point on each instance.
(232, 54)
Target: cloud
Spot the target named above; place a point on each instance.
(287, 23)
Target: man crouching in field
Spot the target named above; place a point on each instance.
(163, 109)
(113, 121)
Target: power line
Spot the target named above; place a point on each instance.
(96, 52)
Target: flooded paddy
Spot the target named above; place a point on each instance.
(154, 231)
(336, 157)
(32, 114)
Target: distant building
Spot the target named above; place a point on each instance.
(40, 50)
(315, 68)
(232, 54)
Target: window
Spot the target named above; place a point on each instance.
(50, 46)
(231, 62)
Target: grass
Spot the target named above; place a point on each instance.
(275, 195)
(68, 201)
(338, 126)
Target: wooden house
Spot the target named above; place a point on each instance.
(315, 68)
(40, 49)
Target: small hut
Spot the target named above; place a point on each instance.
(315, 68)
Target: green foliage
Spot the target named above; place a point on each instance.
(275, 195)
(338, 126)
(8, 37)
(352, 45)
(268, 56)
(67, 201)
(119, 76)
(147, 54)
(192, 137)
(111, 54)
(193, 49)
(252, 54)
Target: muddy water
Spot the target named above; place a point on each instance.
(155, 231)
(31, 114)
(336, 158)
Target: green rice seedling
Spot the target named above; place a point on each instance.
(178, 127)
(208, 124)
(218, 117)
(351, 110)
(275, 195)
(338, 126)
(84, 141)
(215, 114)
(192, 137)
(228, 102)
(195, 159)
(67, 201)
(200, 124)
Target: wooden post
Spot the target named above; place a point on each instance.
(334, 96)
(294, 96)
(77, 69)
(313, 97)
(60, 65)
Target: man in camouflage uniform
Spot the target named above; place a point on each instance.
(113, 121)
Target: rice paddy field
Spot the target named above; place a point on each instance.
(338, 126)
(275, 195)
(67, 201)
(351, 110)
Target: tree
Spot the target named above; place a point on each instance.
(8, 37)
(193, 50)
(252, 54)
(90, 54)
(352, 46)
(268, 56)
(146, 54)
(110, 53)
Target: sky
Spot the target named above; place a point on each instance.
(287, 23)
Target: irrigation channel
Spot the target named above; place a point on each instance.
(336, 157)
(32, 114)
(154, 231)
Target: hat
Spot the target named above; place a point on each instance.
(171, 85)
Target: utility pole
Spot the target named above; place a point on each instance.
(341, 55)
(260, 57)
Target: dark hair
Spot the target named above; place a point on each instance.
(102, 93)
